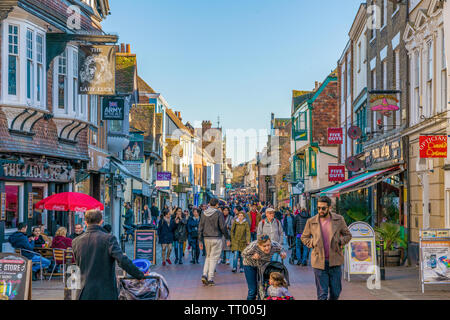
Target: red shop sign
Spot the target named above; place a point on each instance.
(433, 147)
(335, 136)
(336, 173)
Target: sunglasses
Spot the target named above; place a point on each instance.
(322, 208)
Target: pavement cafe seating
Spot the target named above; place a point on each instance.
(61, 257)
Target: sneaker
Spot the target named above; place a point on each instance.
(181, 262)
(192, 261)
(168, 261)
(164, 263)
(299, 263)
(176, 261)
(228, 261)
(242, 270)
(234, 270)
(205, 280)
(211, 283)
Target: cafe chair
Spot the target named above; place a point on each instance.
(19, 251)
(60, 259)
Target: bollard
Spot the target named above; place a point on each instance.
(382, 270)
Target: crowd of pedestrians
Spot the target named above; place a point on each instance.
(243, 233)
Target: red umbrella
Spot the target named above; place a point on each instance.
(69, 201)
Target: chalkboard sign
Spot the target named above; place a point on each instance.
(145, 245)
(15, 277)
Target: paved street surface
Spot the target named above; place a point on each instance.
(184, 283)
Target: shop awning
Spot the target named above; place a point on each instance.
(123, 170)
(362, 181)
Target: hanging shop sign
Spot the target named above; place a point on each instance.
(335, 136)
(389, 151)
(164, 176)
(15, 277)
(135, 150)
(97, 70)
(360, 256)
(434, 257)
(35, 171)
(384, 102)
(113, 109)
(433, 147)
(336, 173)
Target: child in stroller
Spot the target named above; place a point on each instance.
(270, 289)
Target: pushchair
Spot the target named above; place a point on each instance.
(153, 287)
(264, 272)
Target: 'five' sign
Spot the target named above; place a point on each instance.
(336, 173)
(335, 136)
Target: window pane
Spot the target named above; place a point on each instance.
(61, 92)
(12, 206)
(39, 48)
(29, 44)
(12, 75)
(75, 95)
(39, 82)
(29, 79)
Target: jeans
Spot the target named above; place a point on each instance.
(36, 266)
(253, 236)
(251, 275)
(195, 250)
(178, 250)
(225, 255)
(213, 250)
(301, 251)
(237, 255)
(328, 280)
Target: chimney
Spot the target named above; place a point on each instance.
(117, 47)
(122, 48)
(128, 48)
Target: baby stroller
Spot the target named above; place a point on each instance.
(264, 272)
(154, 286)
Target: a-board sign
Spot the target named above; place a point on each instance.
(15, 277)
(145, 245)
(360, 252)
(435, 257)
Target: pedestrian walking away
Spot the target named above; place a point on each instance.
(301, 250)
(154, 213)
(257, 254)
(146, 215)
(326, 234)
(271, 227)
(95, 253)
(226, 251)
(180, 234)
(166, 229)
(240, 239)
(193, 223)
(212, 228)
(255, 218)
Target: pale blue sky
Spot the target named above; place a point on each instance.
(237, 59)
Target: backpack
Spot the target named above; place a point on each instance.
(264, 221)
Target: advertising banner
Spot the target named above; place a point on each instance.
(361, 255)
(97, 70)
(436, 261)
(336, 173)
(335, 136)
(433, 147)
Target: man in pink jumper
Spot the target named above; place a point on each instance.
(326, 234)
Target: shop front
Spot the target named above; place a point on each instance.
(24, 182)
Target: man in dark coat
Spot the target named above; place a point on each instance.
(155, 213)
(95, 252)
(129, 215)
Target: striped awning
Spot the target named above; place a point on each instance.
(362, 181)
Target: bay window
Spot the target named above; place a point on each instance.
(23, 74)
